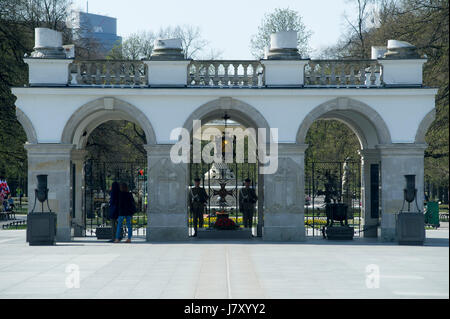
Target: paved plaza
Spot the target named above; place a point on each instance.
(224, 269)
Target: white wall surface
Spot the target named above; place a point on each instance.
(50, 108)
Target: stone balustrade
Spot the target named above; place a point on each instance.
(226, 73)
(343, 73)
(217, 73)
(108, 73)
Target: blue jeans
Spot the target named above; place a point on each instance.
(119, 226)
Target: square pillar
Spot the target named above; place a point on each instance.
(284, 73)
(78, 222)
(370, 164)
(398, 160)
(167, 193)
(170, 73)
(54, 161)
(284, 196)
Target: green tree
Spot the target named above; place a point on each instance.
(331, 141)
(140, 45)
(280, 20)
(18, 18)
(135, 47)
(119, 141)
(424, 23)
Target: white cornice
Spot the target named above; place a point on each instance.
(314, 92)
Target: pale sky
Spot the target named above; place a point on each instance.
(228, 24)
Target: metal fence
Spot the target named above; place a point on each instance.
(222, 180)
(338, 182)
(99, 176)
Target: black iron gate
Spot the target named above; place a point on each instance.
(332, 182)
(223, 180)
(98, 178)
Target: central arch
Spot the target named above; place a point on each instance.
(247, 116)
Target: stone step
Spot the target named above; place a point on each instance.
(224, 234)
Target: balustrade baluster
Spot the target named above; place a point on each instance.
(136, 79)
(207, 78)
(196, 73)
(127, 71)
(308, 73)
(254, 74)
(352, 75)
(79, 77)
(362, 75)
(97, 73)
(236, 74)
(322, 74)
(107, 73)
(332, 73)
(216, 78)
(343, 76)
(317, 74)
(245, 79)
(116, 73)
(373, 77)
(91, 75)
(192, 69)
(226, 77)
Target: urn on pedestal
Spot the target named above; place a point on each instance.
(41, 227)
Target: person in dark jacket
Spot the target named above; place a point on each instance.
(247, 201)
(127, 208)
(114, 207)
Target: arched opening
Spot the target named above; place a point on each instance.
(114, 153)
(109, 137)
(342, 167)
(332, 174)
(233, 183)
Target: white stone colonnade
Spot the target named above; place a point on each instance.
(390, 118)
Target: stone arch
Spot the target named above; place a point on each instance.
(247, 114)
(424, 126)
(365, 122)
(84, 120)
(27, 126)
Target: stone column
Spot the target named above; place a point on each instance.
(167, 193)
(369, 219)
(54, 161)
(78, 157)
(398, 160)
(284, 196)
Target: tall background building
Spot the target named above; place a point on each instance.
(95, 35)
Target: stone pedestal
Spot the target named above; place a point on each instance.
(284, 73)
(340, 232)
(284, 196)
(410, 228)
(53, 160)
(398, 160)
(41, 228)
(170, 73)
(167, 191)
